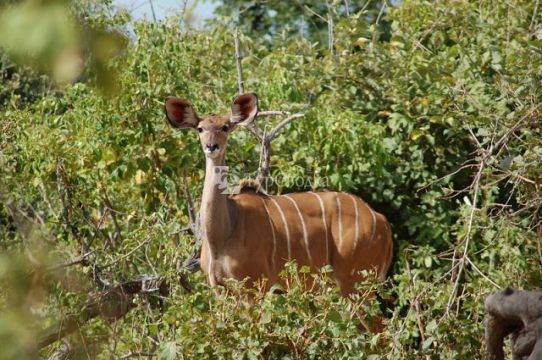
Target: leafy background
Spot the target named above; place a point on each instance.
(428, 110)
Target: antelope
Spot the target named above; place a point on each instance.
(252, 234)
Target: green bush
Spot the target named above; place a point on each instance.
(391, 115)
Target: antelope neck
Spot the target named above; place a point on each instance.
(215, 217)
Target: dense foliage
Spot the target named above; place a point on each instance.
(434, 120)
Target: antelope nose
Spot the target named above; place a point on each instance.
(211, 147)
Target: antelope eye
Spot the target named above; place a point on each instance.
(225, 128)
(200, 129)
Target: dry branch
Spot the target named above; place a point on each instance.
(263, 137)
(273, 133)
(238, 57)
(108, 302)
(468, 237)
(485, 156)
(265, 140)
(131, 354)
(193, 226)
(79, 260)
(118, 233)
(111, 304)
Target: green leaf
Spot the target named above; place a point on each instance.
(427, 343)
(168, 350)
(266, 318)
(428, 261)
(334, 316)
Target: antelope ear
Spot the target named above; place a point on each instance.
(180, 113)
(244, 109)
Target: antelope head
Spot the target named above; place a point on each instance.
(213, 130)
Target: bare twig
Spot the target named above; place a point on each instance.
(485, 156)
(504, 138)
(256, 131)
(264, 138)
(27, 228)
(482, 274)
(144, 242)
(272, 113)
(79, 260)
(330, 33)
(118, 233)
(111, 304)
(538, 246)
(415, 302)
(314, 13)
(468, 236)
(240, 81)
(433, 182)
(194, 223)
(273, 133)
(186, 229)
(329, 21)
(65, 193)
(183, 10)
(138, 354)
(152, 11)
(381, 12)
(535, 13)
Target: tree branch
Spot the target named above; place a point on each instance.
(111, 304)
(265, 141)
(468, 236)
(112, 211)
(273, 113)
(238, 57)
(194, 220)
(263, 137)
(273, 133)
(138, 354)
(485, 156)
(79, 260)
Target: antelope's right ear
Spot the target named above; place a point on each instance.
(180, 113)
(244, 109)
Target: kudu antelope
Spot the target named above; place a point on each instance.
(253, 235)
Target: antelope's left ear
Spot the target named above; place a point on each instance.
(180, 113)
(244, 109)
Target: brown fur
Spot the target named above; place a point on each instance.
(252, 235)
(250, 186)
(250, 246)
